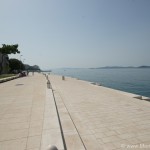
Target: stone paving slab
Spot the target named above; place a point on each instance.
(103, 118)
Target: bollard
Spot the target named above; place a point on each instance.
(138, 97)
(48, 84)
(63, 78)
(47, 77)
(52, 147)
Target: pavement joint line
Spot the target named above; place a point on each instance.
(58, 117)
(62, 134)
(43, 118)
(29, 123)
(72, 121)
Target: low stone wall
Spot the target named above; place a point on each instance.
(8, 79)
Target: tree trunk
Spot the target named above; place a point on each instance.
(1, 64)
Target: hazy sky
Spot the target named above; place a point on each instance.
(77, 33)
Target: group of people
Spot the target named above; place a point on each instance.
(25, 73)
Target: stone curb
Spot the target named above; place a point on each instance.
(8, 79)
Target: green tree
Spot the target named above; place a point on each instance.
(5, 50)
(16, 64)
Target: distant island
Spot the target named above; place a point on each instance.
(107, 67)
(120, 67)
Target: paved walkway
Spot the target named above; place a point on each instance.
(28, 119)
(98, 118)
(92, 117)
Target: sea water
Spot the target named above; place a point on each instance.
(133, 80)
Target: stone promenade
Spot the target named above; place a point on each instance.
(92, 117)
(98, 118)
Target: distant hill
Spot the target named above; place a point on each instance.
(106, 67)
(46, 70)
(35, 67)
(119, 67)
(144, 67)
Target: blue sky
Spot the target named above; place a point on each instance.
(77, 33)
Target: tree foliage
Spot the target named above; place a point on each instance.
(16, 64)
(9, 49)
(5, 50)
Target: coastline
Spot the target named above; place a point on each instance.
(135, 81)
(132, 95)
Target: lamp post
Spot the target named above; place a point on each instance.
(24, 64)
(20, 62)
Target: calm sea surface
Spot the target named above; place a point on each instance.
(130, 80)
